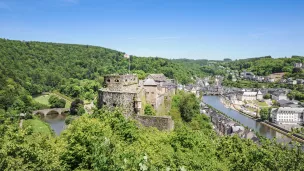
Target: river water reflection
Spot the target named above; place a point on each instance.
(263, 130)
(56, 121)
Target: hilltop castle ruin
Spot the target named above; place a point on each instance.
(131, 95)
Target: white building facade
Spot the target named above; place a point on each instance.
(287, 115)
(259, 95)
(246, 96)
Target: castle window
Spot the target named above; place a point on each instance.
(152, 92)
(114, 105)
(126, 80)
(108, 80)
(116, 80)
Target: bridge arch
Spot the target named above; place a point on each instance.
(65, 111)
(50, 112)
(41, 113)
(57, 111)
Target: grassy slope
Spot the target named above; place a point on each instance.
(38, 126)
(44, 99)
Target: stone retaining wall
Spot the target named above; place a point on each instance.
(160, 122)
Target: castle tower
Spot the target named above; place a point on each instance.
(120, 82)
(120, 91)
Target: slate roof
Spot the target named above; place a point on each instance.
(159, 77)
(149, 82)
(278, 93)
(289, 109)
(284, 102)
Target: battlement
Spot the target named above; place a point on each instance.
(119, 82)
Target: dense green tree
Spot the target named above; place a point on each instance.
(229, 77)
(264, 113)
(149, 110)
(227, 59)
(22, 149)
(267, 96)
(77, 107)
(56, 102)
(188, 105)
(106, 140)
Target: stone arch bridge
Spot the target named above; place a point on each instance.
(49, 111)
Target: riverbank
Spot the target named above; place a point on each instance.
(266, 123)
(229, 105)
(245, 120)
(283, 131)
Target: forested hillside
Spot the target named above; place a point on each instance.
(264, 66)
(30, 68)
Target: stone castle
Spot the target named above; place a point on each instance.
(131, 95)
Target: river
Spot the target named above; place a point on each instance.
(263, 130)
(57, 122)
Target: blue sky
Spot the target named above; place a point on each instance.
(202, 29)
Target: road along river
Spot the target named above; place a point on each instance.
(262, 129)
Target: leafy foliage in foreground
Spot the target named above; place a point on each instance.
(106, 140)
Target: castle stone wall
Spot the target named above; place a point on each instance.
(120, 82)
(112, 99)
(160, 122)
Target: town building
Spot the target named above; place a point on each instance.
(249, 95)
(292, 82)
(259, 95)
(247, 75)
(285, 103)
(287, 115)
(278, 95)
(225, 126)
(298, 65)
(270, 79)
(259, 78)
(300, 81)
